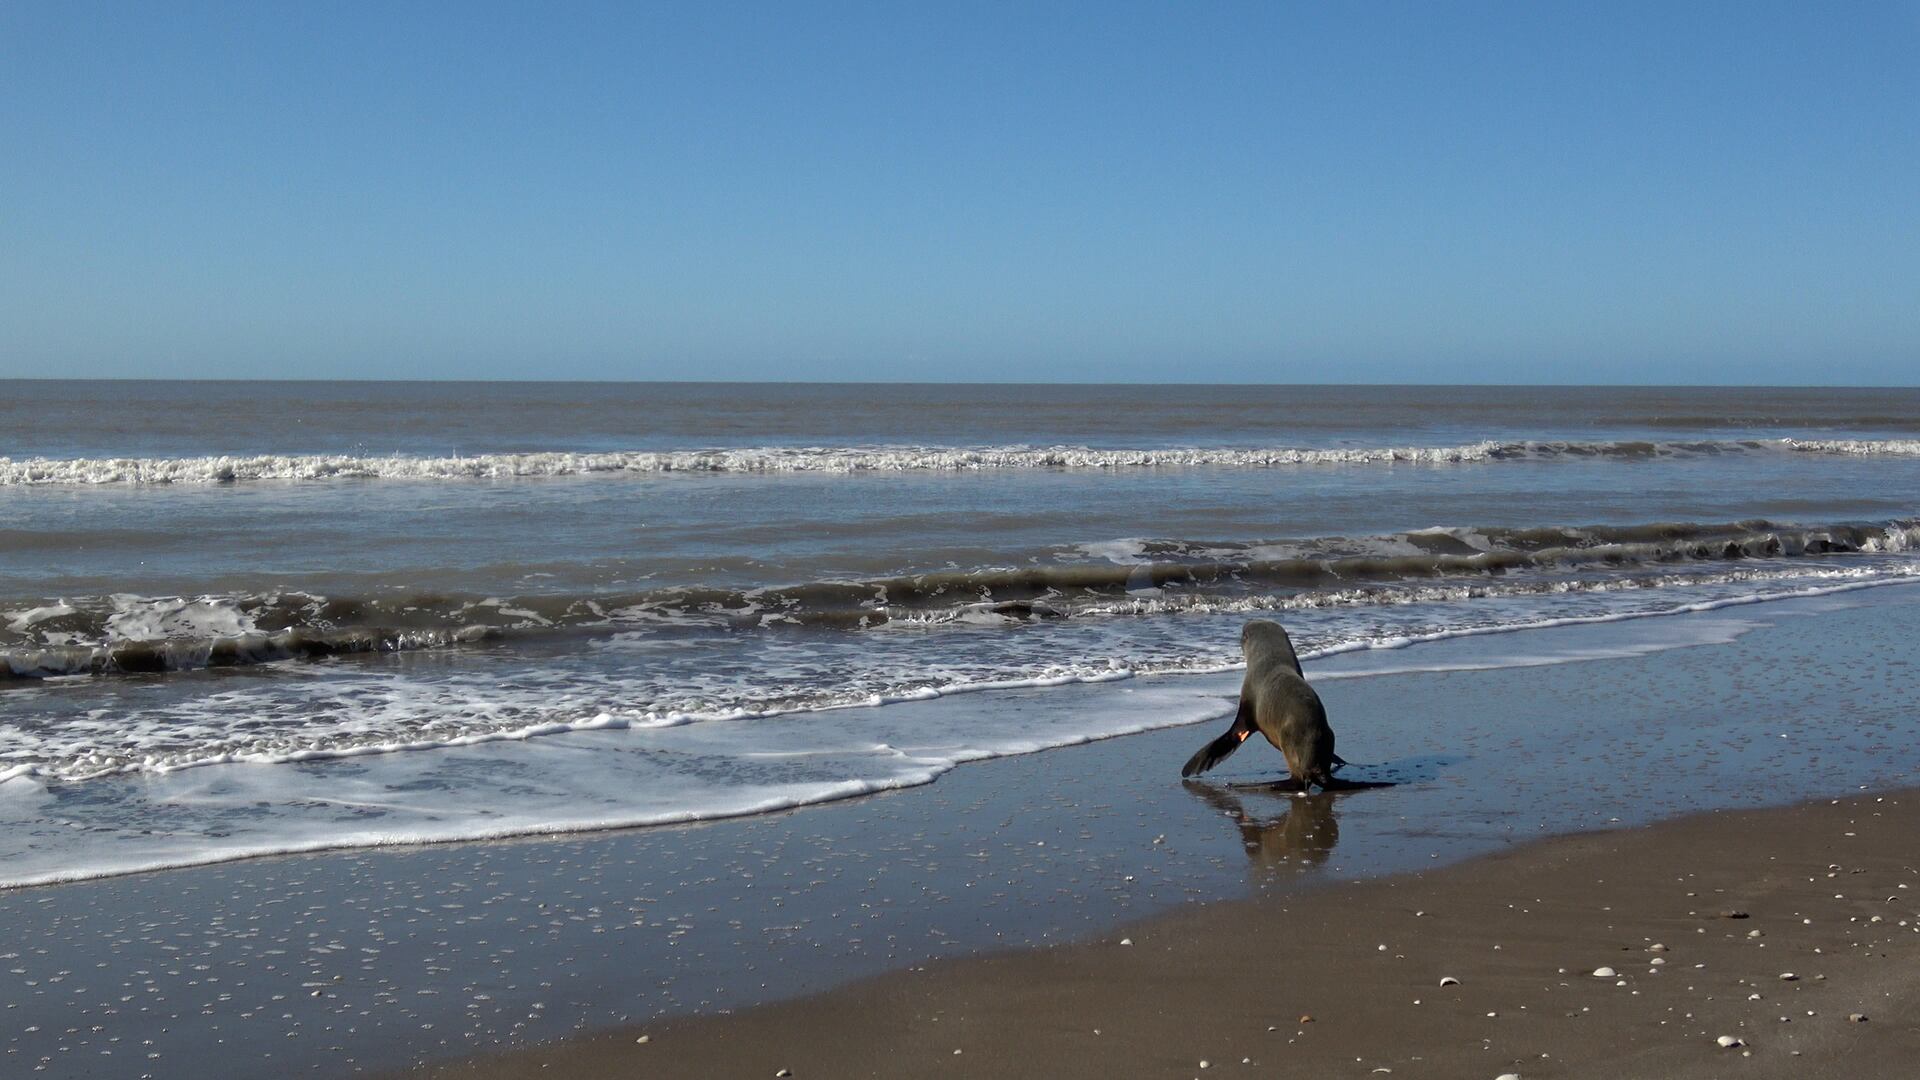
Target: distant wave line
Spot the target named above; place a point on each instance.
(857, 459)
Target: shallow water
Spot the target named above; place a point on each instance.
(762, 596)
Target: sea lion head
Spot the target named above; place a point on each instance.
(1264, 630)
(1264, 637)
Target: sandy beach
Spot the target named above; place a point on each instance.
(1788, 935)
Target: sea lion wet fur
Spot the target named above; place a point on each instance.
(1276, 701)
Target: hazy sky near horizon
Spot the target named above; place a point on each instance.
(1400, 192)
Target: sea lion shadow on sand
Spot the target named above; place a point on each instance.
(1407, 770)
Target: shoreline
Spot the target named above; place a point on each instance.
(376, 960)
(1188, 694)
(1701, 921)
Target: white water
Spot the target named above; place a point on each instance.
(854, 459)
(600, 774)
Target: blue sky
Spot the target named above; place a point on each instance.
(1462, 192)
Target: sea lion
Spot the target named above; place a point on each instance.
(1276, 701)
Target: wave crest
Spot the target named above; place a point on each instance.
(856, 459)
(126, 634)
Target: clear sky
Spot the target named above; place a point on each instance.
(1271, 192)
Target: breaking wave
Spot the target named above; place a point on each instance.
(856, 459)
(129, 634)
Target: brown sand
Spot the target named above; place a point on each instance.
(1346, 981)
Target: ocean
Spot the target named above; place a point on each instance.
(239, 618)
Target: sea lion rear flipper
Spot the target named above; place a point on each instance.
(1216, 751)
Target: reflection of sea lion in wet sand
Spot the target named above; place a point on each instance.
(1276, 701)
(1305, 833)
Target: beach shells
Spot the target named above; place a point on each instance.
(1604, 973)
(1448, 980)
(1727, 1042)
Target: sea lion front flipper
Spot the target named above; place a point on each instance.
(1216, 751)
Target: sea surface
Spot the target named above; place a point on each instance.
(246, 617)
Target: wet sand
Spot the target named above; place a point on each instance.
(720, 938)
(1788, 934)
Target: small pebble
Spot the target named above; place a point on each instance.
(1126, 941)
(643, 1040)
(1508, 1076)
(1727, 1042)
(1306, 1018)
(1788, 976)
(1856, 1018)
(1205, 1064)
(1604, 973)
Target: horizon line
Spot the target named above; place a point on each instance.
(960, 382)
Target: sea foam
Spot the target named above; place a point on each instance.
(855, 459)
(601, 776)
